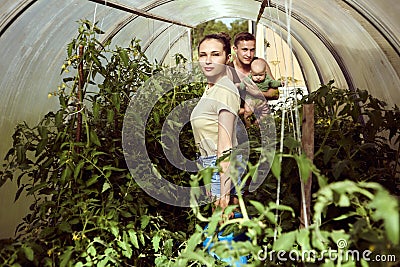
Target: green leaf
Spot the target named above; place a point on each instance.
(95, 59)
(111, 168)
(348, 215)
(103, 262)
(124, 56)
(28, 252)
(344, 201)
(43, 131)
(40, 147)
(144, 221)
(66, 256)
(156, 242)
(206, 174)
(37, 188)
(322, 180)
(106, 186)
(70, 48)
(59, 115)
(260, 207)
(276, 166)
(114, 229)
(141, 238)
(193, 241)
(340, 238)
(110, 116)
(305, 166)
(94, 138)
(127, 249)
(328, 153)
(21, 151)
(303, 239)
(92, 251)
(364, 263)
(168, 246)
(285, 242)
(78, 168)
(133, 238)
(96, 110)
(386, 208)
(318, 243)
(66, 173)
(65, 227)
(19, 191)
(92, 180)
(161, 261)
(339, 167)
(291, 143)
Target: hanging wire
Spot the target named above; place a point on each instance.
(94, 13)
(289, 89)
(278, 188)
(169, 48)
(102, 20)
(286, 91)
(297, 116)
(293, 114)
(150, 31)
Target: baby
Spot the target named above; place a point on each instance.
(264, 82)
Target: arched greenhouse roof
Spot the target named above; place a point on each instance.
(354, 42)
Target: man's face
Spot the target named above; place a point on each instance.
(245, 51)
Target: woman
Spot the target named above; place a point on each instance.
(215, 116)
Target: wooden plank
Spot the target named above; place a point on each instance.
(307, 141)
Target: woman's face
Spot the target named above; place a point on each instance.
(212, 59)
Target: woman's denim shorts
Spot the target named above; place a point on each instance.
(210, 161)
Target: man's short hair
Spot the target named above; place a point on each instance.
(243, 36)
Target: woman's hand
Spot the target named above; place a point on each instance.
(223, 202)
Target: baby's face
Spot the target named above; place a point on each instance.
(257, 75)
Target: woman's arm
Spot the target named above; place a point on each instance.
(226, 121)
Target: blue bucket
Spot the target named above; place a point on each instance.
(228, 238)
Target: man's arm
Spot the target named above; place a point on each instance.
(252, 89)
(271, 94)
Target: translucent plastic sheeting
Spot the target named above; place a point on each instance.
(354, 42)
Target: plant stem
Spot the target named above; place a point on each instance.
(81, 83)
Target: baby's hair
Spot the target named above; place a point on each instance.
(259, 61)
(222, 37)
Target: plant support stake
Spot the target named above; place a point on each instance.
(307, 141)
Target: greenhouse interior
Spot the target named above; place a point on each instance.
(90, 86)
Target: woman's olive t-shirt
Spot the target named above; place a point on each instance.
(223, 95)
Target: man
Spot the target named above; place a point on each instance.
(244, 46)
